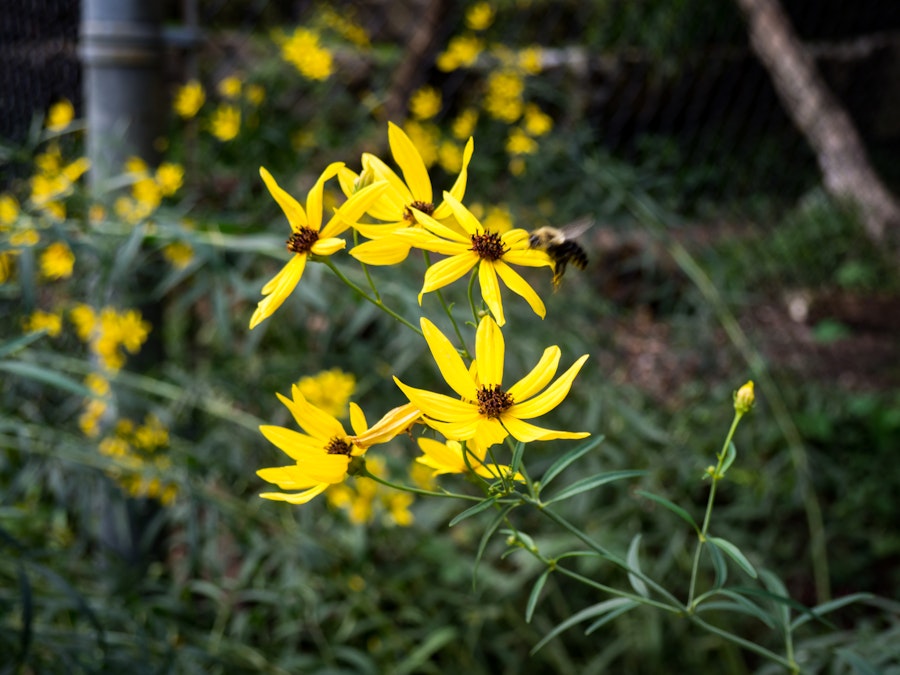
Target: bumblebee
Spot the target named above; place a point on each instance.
(560, 245)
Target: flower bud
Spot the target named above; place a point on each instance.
(744, 398)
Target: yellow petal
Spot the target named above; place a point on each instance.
(539, 376)
(353, 209)
(519, 286)
(447, 271)
(314, 421)
(490, 351)
(490, 290)
(384, 251)
(295, 445)
(438, 406)
(525, 432)
(458, 431)
(328, 246)
(442, 457)
(395, 421)
(449, 362)
(357, 419)
(464, 217)
(315, 196)
(394, 200)
(278, 289)
(298, 498)
(459, 187)
(291, 207)
(551, 397)
(441, 230)
(410, 162)
(347, 179)
(287, 477)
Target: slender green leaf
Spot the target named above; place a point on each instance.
(473, 511)
(518, 452)
(730, 456)
(626, 607)
(32, 371)
(634, 562)
(734, 553)
(779, 593)
(738, 604)
(820, 610)
(599, 609)
(673, 507)
(594, 481)
(435, 640)
(535, 593)
(719, 566)
(573, 455)
(20, 343)
(859, 664)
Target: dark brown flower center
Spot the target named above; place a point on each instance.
(303, 240)
(425, 207)
(493, 401)
(488, 246)
(338, 446)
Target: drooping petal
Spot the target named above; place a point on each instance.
(490, 290)
(459, 187)
(447, 271)
(519, 286)
(295, 445)
(314, 421)
(441, 230)
(295, 214)
(551, 397)
(526, 432)
(297, 498)
(278, 289)
(353, 209)
(444, 457)
(448, 361)
(315, 196)
(379, 230)
(357, 419)
(410, 162)
(539, 376)
(395, 421)
(438, 406)
(287, 477)
(385, 251)
(457, 431)
(328, 246)
(490, 351)
(427, 241)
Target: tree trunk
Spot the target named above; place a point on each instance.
(820, 117)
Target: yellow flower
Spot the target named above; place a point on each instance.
(169, 178)
(323, 453)
(329, 390)
(9, 210)
(41, 320)
(485, 411)
(503, 100)
(179, 254)
(60, 115)
(308, 236)
(230, 87)
(454, 457)
(479, 16)
(189, 98)
(531, 60)
(450, 157)
(520, 143)
(255, 93)
(57, 261)
(25, 238)
(462, 51)
(489, 250)
(225, 122)
(395, 207)
(311, 60)
(464, 125)
(85, 319)
(425, 103)
(536, 121)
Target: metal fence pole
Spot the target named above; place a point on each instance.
(122, 55)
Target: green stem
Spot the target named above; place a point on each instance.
(788, 663)
(375, 301)
(701, 537)
(673, 609)
(418, 491)
(464, 351)
(470, 294)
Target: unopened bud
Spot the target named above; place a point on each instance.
(744, 398)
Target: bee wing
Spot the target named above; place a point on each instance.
(577, 227)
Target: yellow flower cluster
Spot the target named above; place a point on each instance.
(57, 261)
(110, 333)
(41, 320)
(138, 462)
(303, 50)
(148, 189)
(344, 25)
(395, 215)
(189, 98)
(60, 115)
(54, 179)
(425, 103)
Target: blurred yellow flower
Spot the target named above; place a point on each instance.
(450, 156)
(479, 16)
(535, 121)
(425, 103)
(179, 254)
(24, 238)
(464, 125)
(462, 52)
(60, 115)
(520, 143)
(230, 87)
(9, 210)
(6, 266)
(531, 60)
(503, 99)
(189, 98)
(303, 51)
(169, 178)
(57, 261)
(328, 390)
(41, 320)
(225, 122)
(255, 93)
